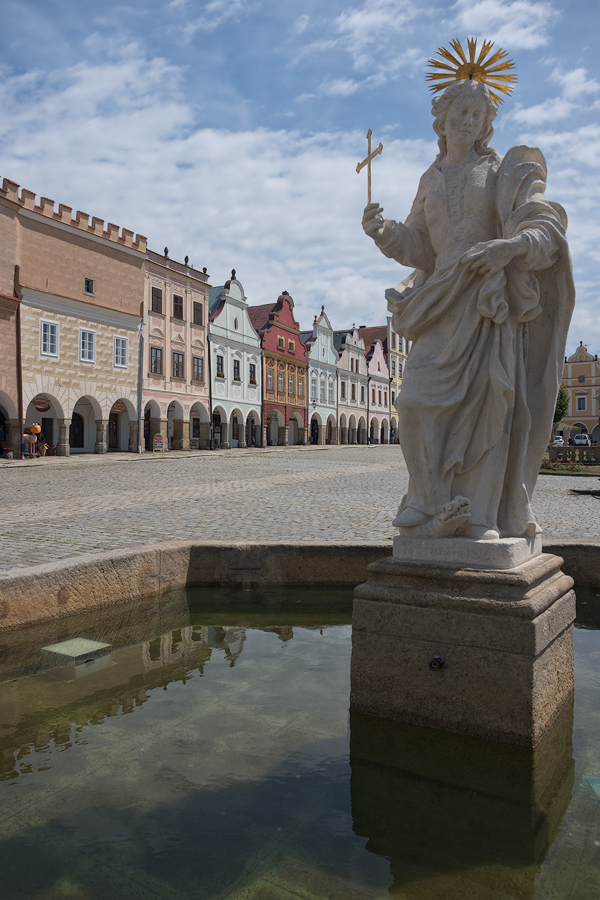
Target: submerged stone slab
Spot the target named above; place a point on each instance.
(505, 553)
(481, 652)
(74, 652)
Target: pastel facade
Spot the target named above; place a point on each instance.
(285, 387)
(175, 385)
(581, 377)
(10, 424)
(236, 368)
(352, 387)
(81, 286)
(378, 394)
(322, 361)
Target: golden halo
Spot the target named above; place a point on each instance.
(475, 68)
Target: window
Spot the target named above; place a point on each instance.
(393, 341)
(379, 397)
(353, 392)
(220, 367)
(330, 395)
(385, 398)
(362, 393)
(252, 373)
(49, 339)
(197, 313)
(88, 285)
(393, 396)
(280, 383)
(291, 384)
(379, 367)
(313, 388)
(156, 360)
(236, 370)
(198, 371)
(322, 390)
(235, 323)
(291, 346)
(177, 307)
(270, 379)
(121, 352)
(581, 379)
(300, 386)
(393, 367)
(280, 343)
(178, 371)
(372, 395)
(400, 369)
(87, 345)
(581, 404)
(342, 390)
(156, 300)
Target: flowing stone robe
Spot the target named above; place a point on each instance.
(479, 388)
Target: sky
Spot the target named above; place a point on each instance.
(229, 130)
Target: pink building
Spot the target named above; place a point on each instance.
(175, 374)
(378, 388)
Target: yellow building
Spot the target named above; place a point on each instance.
(581, 377)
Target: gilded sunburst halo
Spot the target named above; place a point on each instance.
(490, 70)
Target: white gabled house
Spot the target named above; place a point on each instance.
(322, 359)
(236, 369)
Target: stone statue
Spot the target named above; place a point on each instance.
(487, 310)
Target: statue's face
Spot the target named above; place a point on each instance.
(465, 119)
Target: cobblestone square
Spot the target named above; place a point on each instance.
(55, 508)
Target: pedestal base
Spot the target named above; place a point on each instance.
(485, 652)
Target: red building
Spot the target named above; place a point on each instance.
(285, 386)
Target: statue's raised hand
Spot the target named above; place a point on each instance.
(372, 220)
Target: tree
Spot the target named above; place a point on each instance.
(562, 404)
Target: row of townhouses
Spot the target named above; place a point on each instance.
(111, 346)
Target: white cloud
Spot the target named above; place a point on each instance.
(339, 87)
(514, 24)
(576, 90)
(299, 26)
(377, 22)
(215, 14)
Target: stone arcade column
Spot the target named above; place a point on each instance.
(181, 431)
(15, 437)
(133, 435)
(62, 447)
(204, 439)
(301, 436)
(282, 436)
(322, 435)
(352, 435)
(466, 636)
(343, 435)
(100, 445)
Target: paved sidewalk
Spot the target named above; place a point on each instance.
(54, 508)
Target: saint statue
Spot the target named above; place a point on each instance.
(487, 309)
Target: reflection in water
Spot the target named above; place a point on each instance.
(470, 817)
(30, 724)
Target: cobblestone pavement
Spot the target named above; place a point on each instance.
(55, 508)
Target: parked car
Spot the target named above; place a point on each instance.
(582, 440)
(558, 441)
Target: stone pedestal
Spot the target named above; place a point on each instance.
(480, 651)
(457, 816)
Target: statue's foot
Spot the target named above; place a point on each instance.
(480, 533)
(409, 517)
(445, 523)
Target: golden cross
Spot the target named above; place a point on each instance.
(367, 161)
